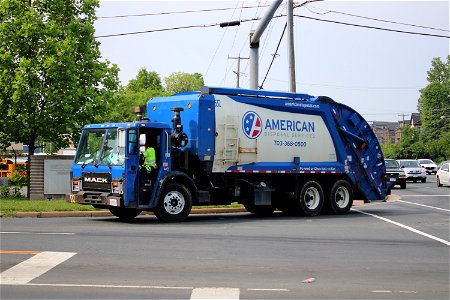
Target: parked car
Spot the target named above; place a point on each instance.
(442, 175)
(395, 175)
(429, 165)
(413, 170)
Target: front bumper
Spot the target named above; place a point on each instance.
(95, 198)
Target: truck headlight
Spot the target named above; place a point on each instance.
(117, 187)
(76, 185)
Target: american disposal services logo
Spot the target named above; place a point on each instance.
(251, 124)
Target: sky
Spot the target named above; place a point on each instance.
(378, 73)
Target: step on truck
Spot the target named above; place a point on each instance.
(292, 152)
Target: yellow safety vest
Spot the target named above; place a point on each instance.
(149, 159)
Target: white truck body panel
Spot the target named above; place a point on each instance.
(248, 133)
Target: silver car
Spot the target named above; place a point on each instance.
(413, 170)
(442, 175)
(428, 165)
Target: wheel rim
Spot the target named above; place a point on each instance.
(312, 198)
(174, 203)
(342, 197)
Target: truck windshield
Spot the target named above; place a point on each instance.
(113, 151)
(101, 146)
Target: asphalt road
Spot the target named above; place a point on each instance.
(393, 250)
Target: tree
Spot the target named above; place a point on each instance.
(51, 78)
(434, 101)
(138, 91)
(145, 80)
(179, 82)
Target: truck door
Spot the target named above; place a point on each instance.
(132, 169)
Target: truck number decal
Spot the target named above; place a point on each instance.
(289, 143)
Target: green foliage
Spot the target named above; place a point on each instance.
(145, 80)
(179, 82)
(8, 191)
(434, 106)
(124, 102)
(138, 91)
(19, 177)
(51, 78)
(434, 101)
(390, 150)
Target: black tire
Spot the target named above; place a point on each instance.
(403, 185)
(125, 214)
(438, 183)
(260, 210)
(423, 180)
(311, 198)
(174, 204)
(341, 197)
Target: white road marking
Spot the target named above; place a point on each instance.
(406, 227)
(112, 286)
(426, 196)
(381, 291)
(215, 293)
(33, 267)
(268, 290)
(408, 292)
(37, 233)
(428, 206)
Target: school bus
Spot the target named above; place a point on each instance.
(7, 166)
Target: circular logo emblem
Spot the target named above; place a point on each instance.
(251, 124)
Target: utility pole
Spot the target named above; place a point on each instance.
(290, 45)
(403, 116)
(238, 72)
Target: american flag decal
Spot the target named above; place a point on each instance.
(251, 124)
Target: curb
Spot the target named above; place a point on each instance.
(66, 214)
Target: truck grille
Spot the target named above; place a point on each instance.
(96, 181)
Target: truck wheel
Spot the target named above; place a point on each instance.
(403, 185)
(311, 198)
(341, 197)
(175, 203)
(125, 214)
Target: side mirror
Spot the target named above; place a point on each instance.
(142, 139)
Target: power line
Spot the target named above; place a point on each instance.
(273, 58)
(178, 12)
(279, 16)
(373, 27)
(373, 19)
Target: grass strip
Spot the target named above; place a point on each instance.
(10, 206)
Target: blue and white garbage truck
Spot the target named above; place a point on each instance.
(266, 150)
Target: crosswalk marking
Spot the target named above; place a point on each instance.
(215, 293)
(33, 267)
